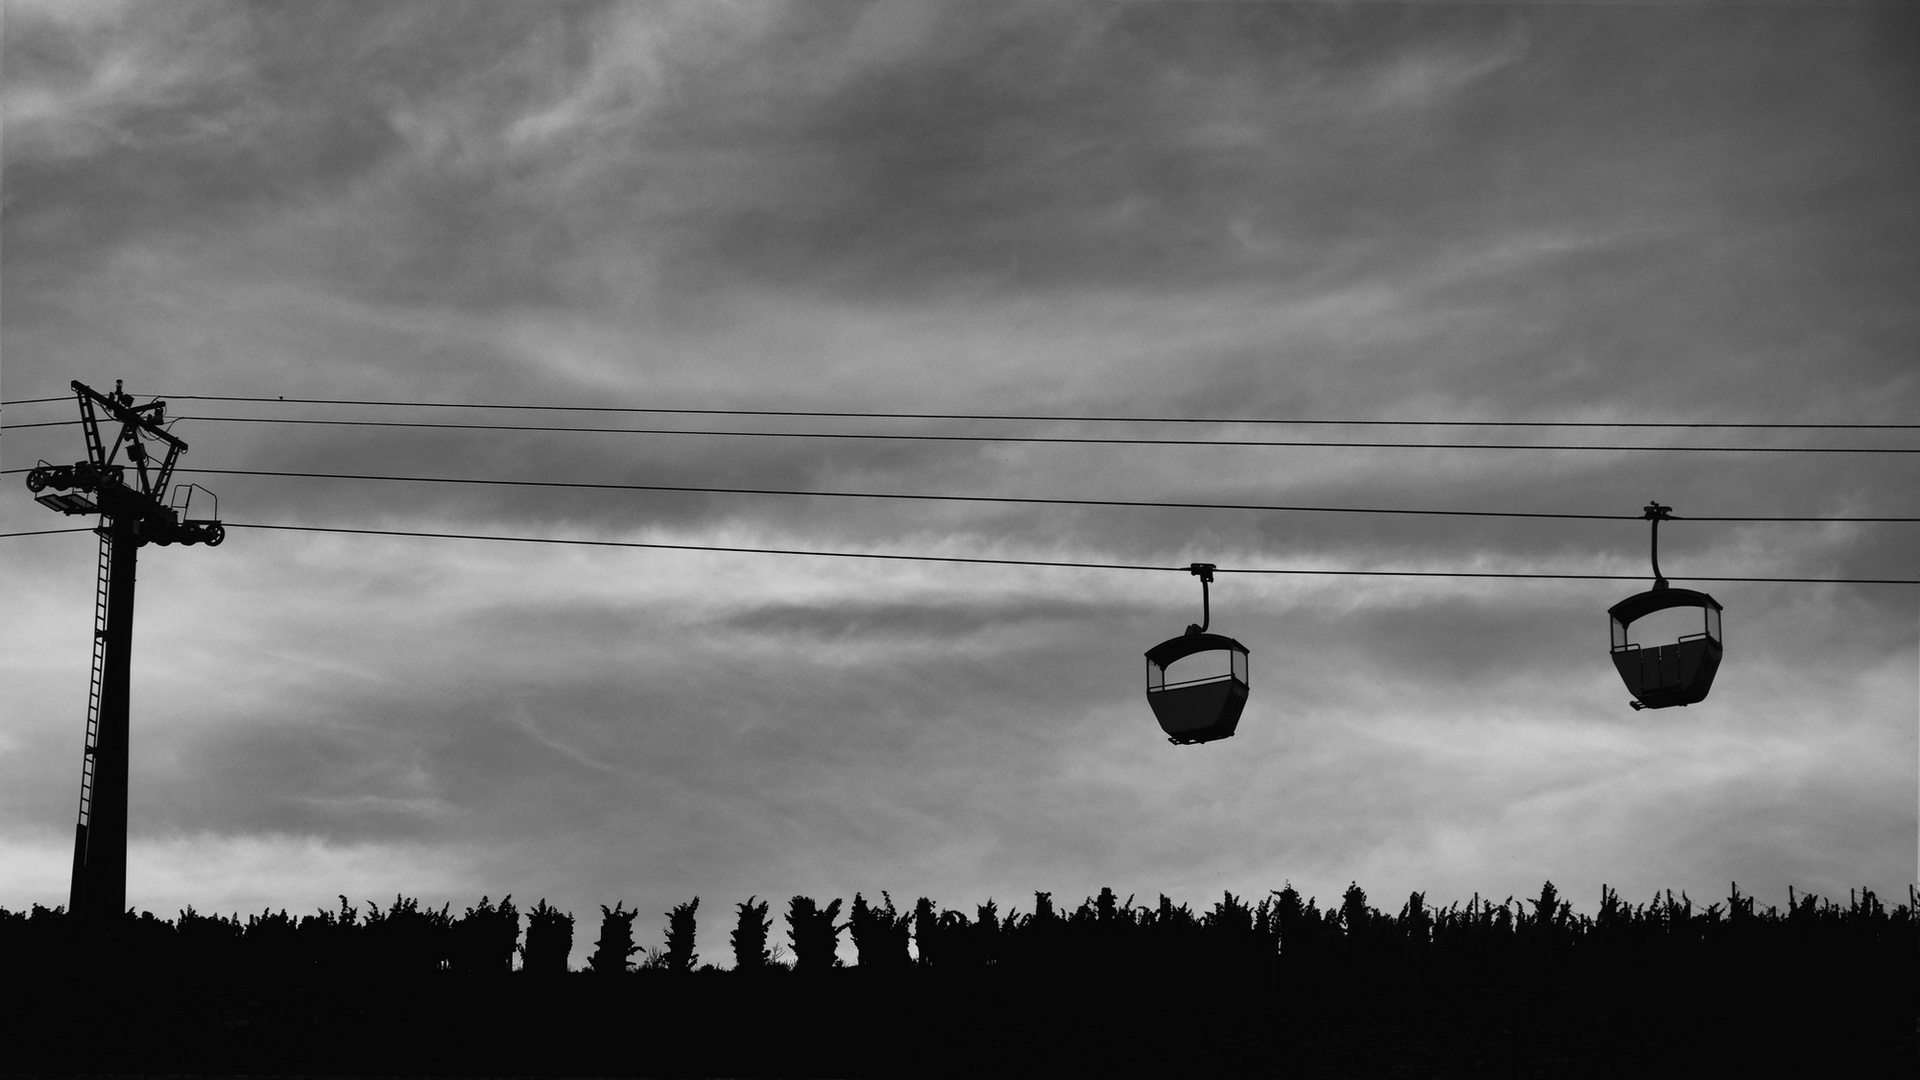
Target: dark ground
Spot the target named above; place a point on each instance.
(846, 1023)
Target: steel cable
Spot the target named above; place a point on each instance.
(1092, 440)
(1045, 563)
(1063, 418)
(1017, 500)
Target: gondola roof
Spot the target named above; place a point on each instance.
(1646, 603)
(1186, 645)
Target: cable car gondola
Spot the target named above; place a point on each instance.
(1660, 676)
(1202, 709)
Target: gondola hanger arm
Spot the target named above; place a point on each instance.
(1657, 514)
(1203, 571)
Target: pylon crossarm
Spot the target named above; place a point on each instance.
(133, 416)
(141, 506)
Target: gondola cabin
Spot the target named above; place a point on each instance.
(1680, 673)
(1660, 675)
(1204, 701)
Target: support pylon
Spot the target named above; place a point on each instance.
(130, 515)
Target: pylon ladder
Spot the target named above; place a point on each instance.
(99, 674)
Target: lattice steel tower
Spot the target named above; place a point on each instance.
(130, 515)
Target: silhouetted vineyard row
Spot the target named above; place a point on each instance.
(1281, 931)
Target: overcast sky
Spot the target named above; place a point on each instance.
(1312, 211)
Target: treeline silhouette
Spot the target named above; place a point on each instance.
(1274, 985)
(1282, 933)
